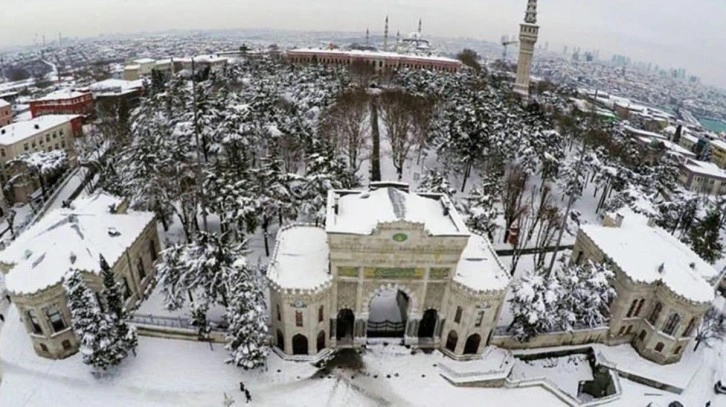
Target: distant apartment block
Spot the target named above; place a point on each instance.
(718, 153)
(64, 101)
(6, 113)
(703, 177)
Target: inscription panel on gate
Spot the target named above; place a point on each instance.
(348, 271)
(404, 273)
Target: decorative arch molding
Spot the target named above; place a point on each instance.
(412, 300)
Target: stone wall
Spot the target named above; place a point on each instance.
(553, 339)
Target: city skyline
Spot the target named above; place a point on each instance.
(660, 32)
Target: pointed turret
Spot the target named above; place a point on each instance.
(531, 16)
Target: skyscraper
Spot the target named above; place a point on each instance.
(528, 32)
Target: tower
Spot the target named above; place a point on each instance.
(528, 32)
(398, 39)
(385, 36)
(419, 28)
(367, 37)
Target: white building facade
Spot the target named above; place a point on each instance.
(407, 254)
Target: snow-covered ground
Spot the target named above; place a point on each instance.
(565, 372)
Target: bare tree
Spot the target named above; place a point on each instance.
(470, 58)
(540, 217)
(361, 72)
(712, 328)
(512, 196)
(346, 128)
(398, 108)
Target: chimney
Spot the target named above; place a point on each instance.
(335, 204)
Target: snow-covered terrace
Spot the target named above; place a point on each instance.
(359, 212)
(649, 254)
(71, 238)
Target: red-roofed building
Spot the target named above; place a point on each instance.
(64, 101)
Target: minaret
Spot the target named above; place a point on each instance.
(385, 36)
(367, 37)
(398, 39)
(419, 28)
(528, 32)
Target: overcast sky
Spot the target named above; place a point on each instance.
(675, 33)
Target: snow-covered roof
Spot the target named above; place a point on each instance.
(71, 238)
(649, 254)
(720, 144)
(373, 54)
(300, 260)
(112, 84)
(645, 133)
(62, 94)
(705, 168)
(4, 103)
(479, 267)
(132, 67)
(19, 131)
(142, 61)
(359, 212)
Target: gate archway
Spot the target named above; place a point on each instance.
(321, 341)
(427, 325)
(280, 340)
(388, 314)
(472, 344)
(345, 325)
(299, 345)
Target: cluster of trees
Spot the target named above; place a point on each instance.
(571, 297)
(43, 167)
(100, 321)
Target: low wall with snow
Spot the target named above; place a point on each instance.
(553, 339)
(176, 333)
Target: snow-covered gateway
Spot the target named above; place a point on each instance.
(75, 238)
(450, 282)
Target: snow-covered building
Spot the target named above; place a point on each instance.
(6, 113)
(703, 177)
(663, 287)
(63, 101)
(388, 263)
(377, 60)
(110, 94)
(718, 152)
(75, 238)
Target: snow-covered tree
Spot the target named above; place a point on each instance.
(482, 209)
(712, 328)
(436, 182)
(586, 293)
(125, 334)
(94, 330)
(324, 172)
(704, 237)
(247, 315)
(39, 165)
(535, 297)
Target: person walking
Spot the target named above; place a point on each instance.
(242, 387)
(247, 396)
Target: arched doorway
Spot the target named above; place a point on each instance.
(321, 341)
(451, 340)
(388, 314)
(280, 340)
(299, 345)
(472, 344)
(344, 326)
(427, 325)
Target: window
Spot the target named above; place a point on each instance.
(127, 289)
(671, 324)
(479, 318)
(152, 250)
(678, 350)
(578, 260)
(43, 348)
(2, 152)
(632, 309)
(63, 144)
(659, 347)
(55, 146)
(54, 135)
(278, 313)
(140, 268)
(25, 146)
(56, 319)
(641, 337)
(47, 137)
(640, 306)
(457, 317)
(621, 331)
(298, 318)
(691, 326)
(33, 144)
(320, 314)
(66, 344)
(655, 313)
(34, 323)
(629, 330)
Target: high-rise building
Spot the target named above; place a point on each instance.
(528, 32)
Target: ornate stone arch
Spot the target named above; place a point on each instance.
(412, 300)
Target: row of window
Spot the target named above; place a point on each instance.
(55, 317)
(670, 325)
(477, 322)
(660, 345)
(299, 315)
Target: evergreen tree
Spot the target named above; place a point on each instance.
(586, 293)
(535, 297)
(247, 316)
(704, 237)
(482, 208)
(92, 327)
(125, 334)
(436, 182)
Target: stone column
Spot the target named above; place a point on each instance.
(411, 333)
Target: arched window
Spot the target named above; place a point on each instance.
(671, 324)
(280, 340)
(298, 318)
(457, 317)
(629, 330)
(320, 314)
(691, 326)
(299, 345)
(640, 306)
(472, 344)
(321, 341)
(659, 347)
(279, 317)
(451, 340)
(621, 331)
(641, 337)
(655, 313)
(678, 350)
(631, 309)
